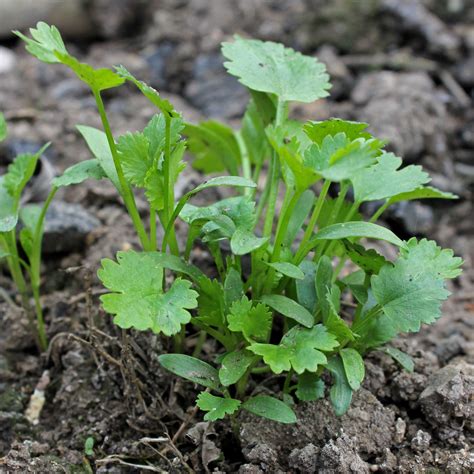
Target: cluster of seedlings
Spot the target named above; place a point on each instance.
(294, 308)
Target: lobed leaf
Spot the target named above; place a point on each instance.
(254, 322)
(318, 131)
(76, 174)
(217, 407)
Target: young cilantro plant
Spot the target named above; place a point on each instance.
(275, 306)
(25, 222)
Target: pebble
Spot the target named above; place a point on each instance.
(7, 60)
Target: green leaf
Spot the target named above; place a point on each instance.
(310, 387)
(287, 269)
(298, 217)
(217, 407)
(211, 302)
(138, 300)
(76, 174)
(4, 253)
(353, 366)
(323, 283)
(234, 181)
(425, 192)
(358, 229)
(234, 366)
(3, 127)
(317, 131)
(214, 146)
(29, 215)
(271, 408)
(332, 212)
(97, 79)
(334, 323)
(341, 392)
(192, 369)
(8, 209)
(151, 94)
(270, 67)
(401, 357)
(97, 142)
(253, 134)
(367, 259)
(134, 157)
(338, 159)
(20, 172)
(384, 180)
(409, 291)
(45, 42)
(289, 308)
(253, 321)
(245, 241)
(432, 258)
(233, 287)
(300, 349)
(306, 289)
(178, 265)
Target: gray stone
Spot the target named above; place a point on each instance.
(7, 60)
(67, 227)
(340, 455)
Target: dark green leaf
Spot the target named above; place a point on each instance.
(289, 308)
(310, 387)
(233, 287)
(234, 366)
(298, 217)
(192, 369)
(401, 357)
(367, 259)
(353, 367)
(306, 289)
(245, 241)
(323, 283)
(271, 408)
(341, 392)
(287, 269)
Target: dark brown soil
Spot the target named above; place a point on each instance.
(408, 74)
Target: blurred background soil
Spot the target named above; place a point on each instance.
(404, 66)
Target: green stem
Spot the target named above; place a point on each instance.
(379, 212)
(228, 345)
(361, 324)
(126, 191)
(286, 385)
(274, 177)
(153, 243)
(246, 166)
(300, 254)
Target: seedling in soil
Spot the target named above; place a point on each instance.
(277, 303)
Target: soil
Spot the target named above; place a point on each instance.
(407, 71)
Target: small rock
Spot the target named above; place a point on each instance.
(67, 227)
(263, 455)
(7, 60)
(447, 399)
(305, 460)
(400, 430)
(421, 441)
(340, 455)
(213, 91)
(403, 108)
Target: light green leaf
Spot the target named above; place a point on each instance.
(300, 348)
(287, 269)
(317, 131)
(253, 321)
(425, 192)
(384, 180)
(151, 94)
(8, 209)
(211, 304)
(310, 387)
(338, 159)
(20, 172)
(253, 134)
(234, 366)
(3, 127)
(138, 300)
(432, 259)
(341, 392)
(45, 41)
(335, 324)
(214, 146)
(134, 157)
(401, 357)
(29, 215)
(97, 79)
(271, 408)
(353, 367)
(217, 407)
(234, 181)
(289, 308)
(244, 241)
(358, 229)
(190, 368)
(270, 67)
(97, 142)
(76, 174)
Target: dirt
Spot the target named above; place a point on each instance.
(405, 73)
